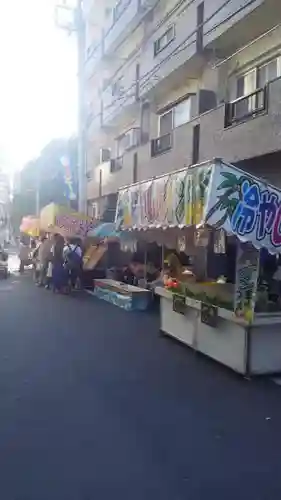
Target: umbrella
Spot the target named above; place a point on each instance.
(105, 230)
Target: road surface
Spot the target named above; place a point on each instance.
(96, 405)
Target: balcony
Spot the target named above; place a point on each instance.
(255, 130)
(161, 145)
(126, 16)
(246, 107)
(227, 28)
(119, 94)
(112, 175)
(171, 55)
(226, 131)
(147, 167)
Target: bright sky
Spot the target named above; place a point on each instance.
(38, 86)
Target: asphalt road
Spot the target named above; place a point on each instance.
(95, 405)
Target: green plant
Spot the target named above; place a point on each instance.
(231, 186)
(207, 299)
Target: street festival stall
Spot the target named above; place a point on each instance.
(239, 323)
(58, 219)
(30, 225)
(101, 244)
(107, 244)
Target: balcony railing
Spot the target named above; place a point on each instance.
(246, 107)
(161, 144)
(116, 164)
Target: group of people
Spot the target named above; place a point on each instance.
(57, 263)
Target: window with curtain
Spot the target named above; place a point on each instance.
(175, 117)
(182, 113)
(268, 72)
(165, 124)
(255, 79)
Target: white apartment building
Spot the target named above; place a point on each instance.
(170, 83)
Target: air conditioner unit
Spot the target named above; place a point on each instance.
(133, 138)
(105, 155)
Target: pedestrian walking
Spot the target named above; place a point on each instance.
(44, 257)
(23, 254)
(73, 260)
(59, 274)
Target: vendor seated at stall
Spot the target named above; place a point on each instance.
(172, 267)
(139, 273)
(131, 273)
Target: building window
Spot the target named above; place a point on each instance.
(164, 40)
(165, 123)
(268, 72)
(117, 88)
(116, 164)
(258, 77)
(246, 84)
(182, 113)
(175, 117)
(122, 143)
(249, 83)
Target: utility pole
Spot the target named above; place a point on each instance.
(71, 20)
(37, 191)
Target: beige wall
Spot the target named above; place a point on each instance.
(255, 137)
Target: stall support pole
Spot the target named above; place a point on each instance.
(145, 266)
(162, 256)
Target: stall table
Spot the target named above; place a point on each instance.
(248, 349)
(238, 325)
(128, 297)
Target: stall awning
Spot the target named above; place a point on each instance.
(62, 220)
(30, 225)
(213, 193)
(104, 230)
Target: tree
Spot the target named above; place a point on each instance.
(53, 175)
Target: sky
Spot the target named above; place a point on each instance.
(38, 83)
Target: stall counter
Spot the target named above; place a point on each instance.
(128, 297)
(248, 349)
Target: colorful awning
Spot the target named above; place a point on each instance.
(213, 193)
(30, 225)
(63, 220)
(105, 230)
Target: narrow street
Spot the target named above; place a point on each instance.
(96, 405)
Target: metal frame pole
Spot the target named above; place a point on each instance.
(77, 26)
(82, 201)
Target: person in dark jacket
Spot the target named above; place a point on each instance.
(59, 275)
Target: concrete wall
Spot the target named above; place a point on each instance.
(255, 137)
